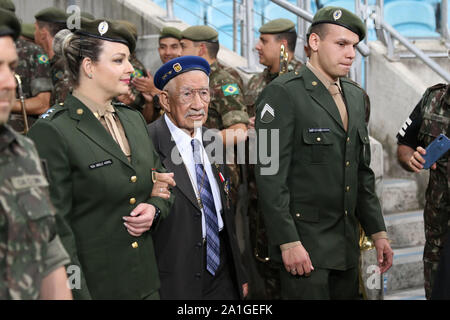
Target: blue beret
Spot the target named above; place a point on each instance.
(177, 66)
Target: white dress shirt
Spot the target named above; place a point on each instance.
(183, 142)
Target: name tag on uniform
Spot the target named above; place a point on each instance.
(100, 164)
(29, 181)
(312, 130)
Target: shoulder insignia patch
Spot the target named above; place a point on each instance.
(230, 89)
(137, 73)
(267, 114)
(47, 113)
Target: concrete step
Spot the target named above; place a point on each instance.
(405, 229)
(399, 195)
(406, 271)
(417, 293)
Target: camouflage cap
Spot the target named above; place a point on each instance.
(28, 30)
(107, 30)
(52, 15)
(9, 25)
(200, 33)
(170, 32)
(7, 5)
(340, 17)
(131, 27)
(278, 26)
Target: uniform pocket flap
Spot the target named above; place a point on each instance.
(319, 137)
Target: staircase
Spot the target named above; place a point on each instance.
(404, 223)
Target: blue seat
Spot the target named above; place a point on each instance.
(413, 19)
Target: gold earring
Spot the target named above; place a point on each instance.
(90, 76)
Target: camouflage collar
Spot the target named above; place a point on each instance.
(7, 136)
(214, 66)
(447, 95)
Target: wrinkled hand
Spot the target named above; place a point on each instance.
(417, 161)
(127, 98)
(140, 219)
(296, 261)
(164, 181)
(385, 254)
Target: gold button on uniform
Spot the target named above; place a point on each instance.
(318, 139)
(132, 201)
(314, 83)
(298, 215)
(134, 245)
(348, 139)
(347, 163)
(80, 111)
(347, 188)
(133, 179)
(346, 212)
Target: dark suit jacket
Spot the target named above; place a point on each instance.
(91, 185)
(323, 186)
(178, 239)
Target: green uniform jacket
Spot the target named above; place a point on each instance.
(324, 184)
(92, 185)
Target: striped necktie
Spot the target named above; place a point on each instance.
(209, 209)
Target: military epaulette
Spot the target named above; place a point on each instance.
(53, 111)
(284, 78)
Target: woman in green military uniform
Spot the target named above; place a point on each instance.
(100, 161)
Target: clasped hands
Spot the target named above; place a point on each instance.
(141, 218)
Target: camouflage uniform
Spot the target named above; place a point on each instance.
(139, 71)
(60, 80)
(233, 72)
(258, 239)
(226, 109)
(34, 71)
(430, 118)
(30, 249)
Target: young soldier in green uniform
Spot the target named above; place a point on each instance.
(100, 161)
(227, 111)
(169, 46)
(31, 255)
(429, 119)
(318, 190)
(34, 72)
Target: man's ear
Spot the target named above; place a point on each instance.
(202, 51)
(314, 41)
(164, 101)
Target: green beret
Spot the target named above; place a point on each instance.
(28, 30)
(52, 15)
(9, 25)
(107, 30)
(7, 5)
(200, 33)
(278, 26)
(131, 27)
(340, 17)
(170, 32)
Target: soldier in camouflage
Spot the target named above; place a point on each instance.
(429, 119)
(32, 258)
(227, 111)
(273, 35)
(34, 71)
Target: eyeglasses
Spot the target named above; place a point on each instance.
(188, 95)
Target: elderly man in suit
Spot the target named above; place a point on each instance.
(196, 247)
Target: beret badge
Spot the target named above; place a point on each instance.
(337, 14)
(177, 67)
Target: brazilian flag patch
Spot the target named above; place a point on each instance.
(230, 89)
(42, 58)
(137, 73)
